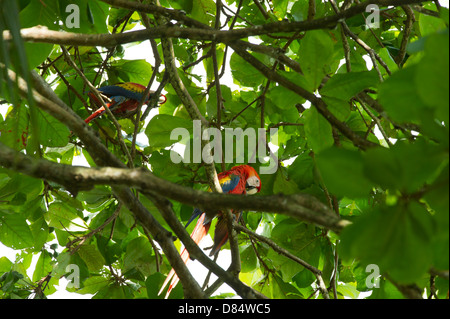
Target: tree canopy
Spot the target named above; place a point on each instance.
(351, 103)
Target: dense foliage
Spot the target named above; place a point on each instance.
(362, 116)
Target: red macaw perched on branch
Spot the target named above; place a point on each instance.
(241, 179)
(122, 99)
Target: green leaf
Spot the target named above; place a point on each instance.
(318, 131)
(138, 71)
(284, 98)
(386, 291)
(64, 217)
(138, 256)
(92, 257)
(316, 53)
(243, 73)
(43, 266)
(432, 75)
(248, 259)
(161, 126)
(392, 168)
(153, 284)
(93, 284)
(400, 99)
(284, 186)
(429, 24)
(204, 11)
(296, 237)
(343, 172)
(52, 132)
(38, 13)
(402, 249)
(280, 8)
(14, 130)
(344, 86)
(301, 171)
(39, 230)
(15, 232)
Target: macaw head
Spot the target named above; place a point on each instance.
(253, 182)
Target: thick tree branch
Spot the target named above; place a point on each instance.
(197, 30)
(75, 178)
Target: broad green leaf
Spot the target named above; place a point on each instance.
(138, 256)
(316, 52)
(15, 232)
(52, 132)
(280, 8)
(109, 249)
(14, 130)
(339, 107)
(392, 168)
(386, 291)
(402, 249)
(432, 75)
(301, 170)
(138, 71)
(283, 185)
(64, 217)
(91, 16)
(39, 229)
(5, 265)
(297, 238)
(204, 11)
(318, 131)
(92, 257)
(38, 13)
(284, 98)
(161, 126)
(43, 266)
(248, 259)
(93, 284)
(430, 25)
(153, 284)
(343, 172)
(400, 99)
(344, 86)
(243, 73)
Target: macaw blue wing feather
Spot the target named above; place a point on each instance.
(110, 90)
(229, 183)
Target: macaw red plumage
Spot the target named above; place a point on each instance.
(242, 179)
(122, 99)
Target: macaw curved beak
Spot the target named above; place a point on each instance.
(162, 99)
(253, 185)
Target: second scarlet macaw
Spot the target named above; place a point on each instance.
(242, 179)
(122, 99)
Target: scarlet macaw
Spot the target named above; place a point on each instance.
(123, 98)
(241, 179)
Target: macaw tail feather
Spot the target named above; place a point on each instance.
(197, 235)
(221, 233)
(94, 115)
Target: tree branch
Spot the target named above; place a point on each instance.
(198, 30)
(75, 178)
